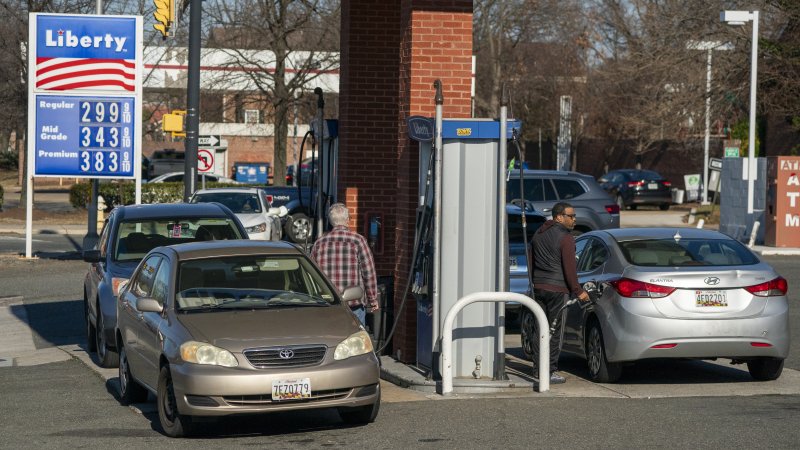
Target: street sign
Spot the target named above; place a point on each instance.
(731, 152)
(715, 164)
(212, 140)
(84, 90)
(205, 161)
(420, 128)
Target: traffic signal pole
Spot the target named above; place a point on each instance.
(192, 102)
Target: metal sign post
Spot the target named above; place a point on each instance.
(85, 100)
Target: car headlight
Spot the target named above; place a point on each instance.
(357, 344)
(260, 228)
(117, 284)
(202, 353)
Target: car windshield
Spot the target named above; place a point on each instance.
(238, 202)
(136, 238)
(250, 282)
(686, 252)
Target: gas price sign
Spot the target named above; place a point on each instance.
(84, 136)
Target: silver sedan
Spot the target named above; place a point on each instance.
(674, 293)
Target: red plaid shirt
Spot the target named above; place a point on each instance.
(345, 258)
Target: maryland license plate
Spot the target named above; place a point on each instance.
(652, 186)
(291, 389)
(711, 298)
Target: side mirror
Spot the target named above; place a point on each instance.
(279, 211)
(147, 304)
(92, 256)
(352, 293)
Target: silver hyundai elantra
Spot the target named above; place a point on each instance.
(673, 293)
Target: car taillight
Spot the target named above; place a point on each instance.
(639, 289)
(667, 183)
(612, 209)
(635, 183)
(773, 288)
(269, 198)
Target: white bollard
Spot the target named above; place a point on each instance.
(700, 223)
(692, 215)
(753, 234)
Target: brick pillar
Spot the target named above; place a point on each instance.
(391, 53)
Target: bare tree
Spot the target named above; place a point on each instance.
(301, 42)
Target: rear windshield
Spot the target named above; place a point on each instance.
(532, 223)
(687, 252)
(136, 238)
(250, 282)
(238, 202)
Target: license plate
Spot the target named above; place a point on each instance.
(291, 389)
(512, 263)
(711, 298)
(652, 186)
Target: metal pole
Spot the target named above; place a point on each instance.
(320, 141)
(91, 237)
(193, 102)
(502, 241)
(704, 198)
(437, 221)
(751, 151)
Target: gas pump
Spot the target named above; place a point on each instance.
(461, 230)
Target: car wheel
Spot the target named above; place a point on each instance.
(663, 207)
(108, 358)
(620, 203)
(129, 390)
(362, 414)
(91, 332)
(173, 423)
(765, 369)
(528, 330)
(600, 369)
(298, 227)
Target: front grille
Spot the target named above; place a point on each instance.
(276, 357)
(258, 400)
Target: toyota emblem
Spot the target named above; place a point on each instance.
(286, 353)
(712, 281)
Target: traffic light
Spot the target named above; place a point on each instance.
(173, 123)
(165, 16)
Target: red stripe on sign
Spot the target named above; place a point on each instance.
(64, 76)
(80, 62)
(96, 83)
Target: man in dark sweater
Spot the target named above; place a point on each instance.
(555, 276)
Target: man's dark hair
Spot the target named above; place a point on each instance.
(559, 208)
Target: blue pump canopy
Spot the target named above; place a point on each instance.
(476, 128)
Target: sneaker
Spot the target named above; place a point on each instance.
(557, 379)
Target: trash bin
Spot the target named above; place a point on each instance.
(677, 196)
(251, 173)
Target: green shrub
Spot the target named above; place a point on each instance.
(9, 160)
(117, 193)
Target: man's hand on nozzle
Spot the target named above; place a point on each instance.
(373, 307)
(583, 296)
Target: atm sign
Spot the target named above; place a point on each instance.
(463, 131)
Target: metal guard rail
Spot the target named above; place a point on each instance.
(495, 297)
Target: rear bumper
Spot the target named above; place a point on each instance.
(629, 336)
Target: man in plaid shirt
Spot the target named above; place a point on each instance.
(345, 258)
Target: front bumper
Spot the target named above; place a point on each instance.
(630, 335)
(218, 391)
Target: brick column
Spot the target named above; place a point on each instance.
(391, 53)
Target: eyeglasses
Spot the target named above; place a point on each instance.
(571, 216)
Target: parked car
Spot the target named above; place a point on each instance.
(251, 205)
(128, 234)
(223, 328)
(177, 177)
(669, 293)
(595, 210)
(164, 161)
(298, 202)
(631, 188)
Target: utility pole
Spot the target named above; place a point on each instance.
(192, 102)
(92, 237)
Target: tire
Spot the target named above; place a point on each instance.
(620, 203)
(663, 207)
(361, 415)
(600, 370)
(129, 390)
(173, 423)
(91, 331)
(107, 357)
(765, 369)
(528, 330)
(298, 227)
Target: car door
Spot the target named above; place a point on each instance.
(135, 330)
(591, 263)
(150, 338)
(97, 270)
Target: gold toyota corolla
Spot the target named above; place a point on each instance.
(241, 327)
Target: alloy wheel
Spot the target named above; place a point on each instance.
(595, 351)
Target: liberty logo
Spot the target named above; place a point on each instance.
(63, 38)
